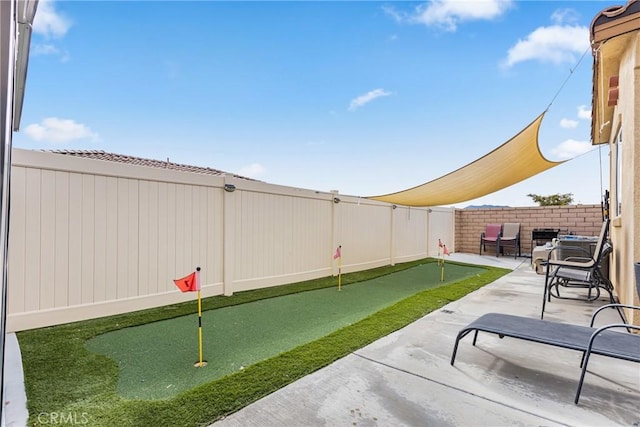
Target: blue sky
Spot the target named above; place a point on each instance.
(362, 97)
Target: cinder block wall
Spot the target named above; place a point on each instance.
(576, 219)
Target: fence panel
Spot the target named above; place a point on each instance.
(409, 233)
(90, 238)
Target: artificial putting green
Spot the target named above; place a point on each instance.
(156, 360)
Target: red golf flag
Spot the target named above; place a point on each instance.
(189, 283)
(445, 251)
(337, 254)
(439, 243)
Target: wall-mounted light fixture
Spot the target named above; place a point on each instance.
(336, 200)
(229, 188)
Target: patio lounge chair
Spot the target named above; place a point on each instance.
(491, 235)
(581, 272)
(602, 341)
(510, 237)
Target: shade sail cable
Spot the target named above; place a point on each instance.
(571, 70)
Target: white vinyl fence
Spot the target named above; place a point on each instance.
(90, 238)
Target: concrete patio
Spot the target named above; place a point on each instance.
(406, 379)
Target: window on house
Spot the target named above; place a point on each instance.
(618, 172)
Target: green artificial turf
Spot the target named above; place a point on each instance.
(63, 377)
(156, 360)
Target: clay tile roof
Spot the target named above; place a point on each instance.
(139, 161)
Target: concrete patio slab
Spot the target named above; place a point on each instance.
(406, 379)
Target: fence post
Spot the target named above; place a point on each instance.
(229, 214)
(428, 236)
(335, 239)
(392, 242)
(453, 230)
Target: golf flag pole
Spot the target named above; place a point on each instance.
(339, 272)
(338, 256)
(191, 283)
(200, 361)
(445, 251)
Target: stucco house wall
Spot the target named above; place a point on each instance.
(625, 230)
(615, 121)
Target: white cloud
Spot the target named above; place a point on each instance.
(555, 44)
(584, 112)
(448, 14)
(55, 130)
(366, 98)
(568, 123)
(49, 49)
(44, 49)
(48, 21)
(398, 16)
(253, 170)
(565, 16)
(64, 56)
(571, 148)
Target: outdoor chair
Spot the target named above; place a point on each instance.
(589, 340)
(491, 235)
(510, 238)
(604, 340)
(592, 278)
(579, 272)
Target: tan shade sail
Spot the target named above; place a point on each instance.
(514, 161)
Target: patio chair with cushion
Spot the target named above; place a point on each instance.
(607, 340)
(579, 272)
(510, 238)
(491, 235)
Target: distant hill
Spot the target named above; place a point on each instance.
(485, 206)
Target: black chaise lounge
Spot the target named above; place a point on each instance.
(603, 341)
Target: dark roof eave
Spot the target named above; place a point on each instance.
(139, 161)
(610, 23)
(614, 21)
